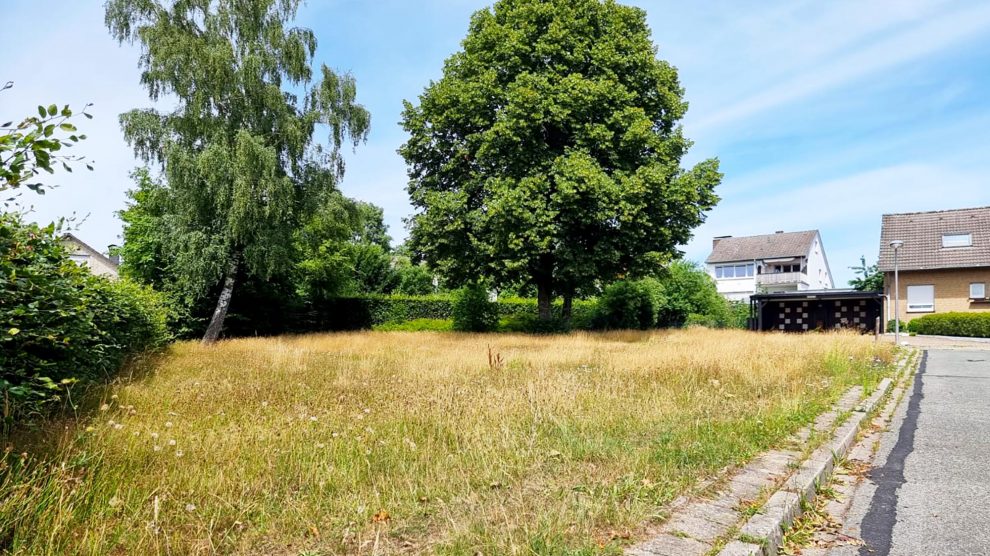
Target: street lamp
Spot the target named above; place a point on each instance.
(895, 245)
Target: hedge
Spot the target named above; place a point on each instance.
(368, 311)
(59, 324)
(975, 325)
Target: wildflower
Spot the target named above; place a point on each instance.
(113, 397)
(264, 403)
(179, 453)
(104, 407)
(367, 410)
(137, 433)
(118, 426)
(111, 423)
(313, 418)
(320, 445)
(90, 429)
(168, 424)
(190, 507)
(154, 435)
(115, 502)
(157, 448)
(171, 442)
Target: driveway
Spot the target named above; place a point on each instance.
(929, 490)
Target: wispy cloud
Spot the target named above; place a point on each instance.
(917, 41)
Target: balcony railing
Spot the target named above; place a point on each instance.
(781, 278)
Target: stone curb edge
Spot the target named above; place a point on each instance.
(762, 535)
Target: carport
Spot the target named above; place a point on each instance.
(803, 311)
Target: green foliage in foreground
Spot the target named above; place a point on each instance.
(417, 325)
(973, 325)
(59, 324)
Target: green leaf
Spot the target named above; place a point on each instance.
(67, 127)
(14, 331)
(52, 109)
(42, 112)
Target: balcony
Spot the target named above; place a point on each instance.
(781, 279)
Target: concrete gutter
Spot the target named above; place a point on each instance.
(718, 525)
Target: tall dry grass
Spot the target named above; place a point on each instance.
(414, 442)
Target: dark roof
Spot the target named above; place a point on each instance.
(769, 246)
(922, 233)
(817, 294)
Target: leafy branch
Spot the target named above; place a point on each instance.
(37, 143)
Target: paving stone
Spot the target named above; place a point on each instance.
(739, 548)
(669, 545)
(702, 521)
(776, 463)
(784, 506)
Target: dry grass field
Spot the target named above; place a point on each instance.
(383, 443)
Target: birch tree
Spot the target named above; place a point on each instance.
(239, 147)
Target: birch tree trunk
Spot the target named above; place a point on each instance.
(223, 303)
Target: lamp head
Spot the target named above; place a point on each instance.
(896, 244)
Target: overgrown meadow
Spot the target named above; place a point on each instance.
(378, 443)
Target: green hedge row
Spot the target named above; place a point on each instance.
(368, 311)
(974, 325)
(59, 324)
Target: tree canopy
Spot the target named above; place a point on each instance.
(238, 149)
(549, 151)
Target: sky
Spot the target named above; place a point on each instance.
(824, 115)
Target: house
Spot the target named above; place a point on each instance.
(84, 255)
(943, 261)
(778, 262)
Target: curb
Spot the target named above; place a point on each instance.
(779, 512)
(700, 527)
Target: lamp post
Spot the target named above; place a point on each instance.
(895, 245)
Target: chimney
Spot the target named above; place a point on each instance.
(779, 231)
(717, 239)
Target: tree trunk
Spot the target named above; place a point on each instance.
(544, 298)
(223, 303)
(566, 310)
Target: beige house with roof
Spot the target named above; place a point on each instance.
(769, 263)
(84, 255)
(943, 262)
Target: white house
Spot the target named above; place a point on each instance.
(779, 262)
(84, 255)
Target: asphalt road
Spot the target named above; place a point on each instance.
(929, 492)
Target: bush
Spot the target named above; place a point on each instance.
(59, 324)
(688, 290)
(707, 321)
(974, 325)
(473, 311)
(629, 304)
(890, 325)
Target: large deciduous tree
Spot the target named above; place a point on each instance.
(238, 149)
(550, 151)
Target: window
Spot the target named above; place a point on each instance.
(921, 299)
(734, 271)
(957, 240)
(977, 290)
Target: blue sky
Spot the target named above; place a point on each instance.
(824, 114)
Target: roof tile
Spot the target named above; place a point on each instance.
(922, 233)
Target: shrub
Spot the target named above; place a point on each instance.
(707, 321)
(690, 290)
(473, 311)
(59, 324)
(975, 325)
(629, 304)
(890, 325)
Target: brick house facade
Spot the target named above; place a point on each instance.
(943, 264)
